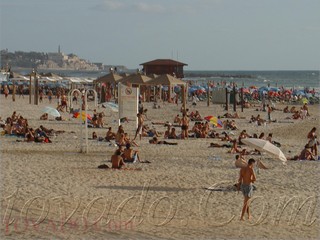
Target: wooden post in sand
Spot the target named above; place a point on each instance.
(30, 88)
(242, 103)
(234, 98)
(227, 102)
(14, 91)
(208, 95)
(183, 89)
(36, 90)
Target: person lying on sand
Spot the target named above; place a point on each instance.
(214, 145)
(155, 140)
(147, 132)
(235, 115)
(44, 116)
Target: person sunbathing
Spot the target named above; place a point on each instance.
(177, 120)
(128, 140)
(235, 148)
(229, 115)
(155, 140)
(167, 132)
(293, 109)
(305, 154)
(110, 135)
(286, 109)
(214, 145)
(116, 160)
(94, 136)
(14, 116)
(242, 135)
(100, 121)
(44, 116)
(130, 155)
(172, 134)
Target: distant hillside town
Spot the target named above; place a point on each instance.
(50, 61)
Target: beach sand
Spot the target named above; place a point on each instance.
(165, 199)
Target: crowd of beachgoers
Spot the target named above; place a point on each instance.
(188, 124)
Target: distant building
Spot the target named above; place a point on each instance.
(58, 58)
(164, 66)
(99, 65)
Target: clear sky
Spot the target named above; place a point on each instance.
(205, 34)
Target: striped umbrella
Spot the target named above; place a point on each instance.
(215, 121)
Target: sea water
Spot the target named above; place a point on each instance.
(288, 79)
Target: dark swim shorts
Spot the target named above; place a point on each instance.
(247, 190)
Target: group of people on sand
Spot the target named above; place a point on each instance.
(310, 150)
(122, 156)
(17, 125)
(301, 113)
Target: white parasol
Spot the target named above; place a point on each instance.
(51, 111)
(266, 146)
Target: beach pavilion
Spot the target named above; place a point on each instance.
(170, 81)
(109, 85)
(137, 80)
(164, 66)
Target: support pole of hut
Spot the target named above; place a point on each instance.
(183, 89)
(208, 95)
(36, 90)
(242, 103)
(234, 99)
(227, 100)
(14, 91)
(30, 88)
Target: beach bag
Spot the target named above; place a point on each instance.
(103, 166)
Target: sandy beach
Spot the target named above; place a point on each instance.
(55, 192)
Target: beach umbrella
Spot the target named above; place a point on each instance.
(304, 100)
(112, 106)
(266, 146)
(166, 80)
(52, 111)
(111, 78)
(77, 115)
(138, 79)
(214, 120)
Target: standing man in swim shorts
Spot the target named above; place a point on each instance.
(184, 126)
(140, 125)
(246, 179)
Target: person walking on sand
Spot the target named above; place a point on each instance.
(246, 179)
(140, 125)
(269, 109)
(184, 126)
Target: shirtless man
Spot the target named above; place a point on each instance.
(246, 178)
(129, 154)
(140, 125)
(110, 135)
(117, 161)
(184, 126)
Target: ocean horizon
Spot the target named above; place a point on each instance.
(275, 78)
